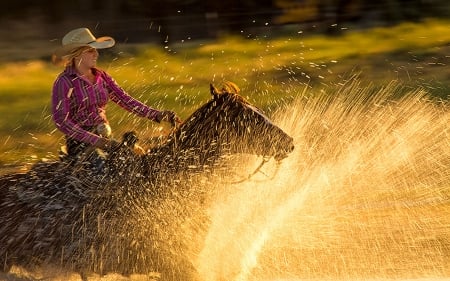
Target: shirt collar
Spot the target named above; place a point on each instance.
(72, 72)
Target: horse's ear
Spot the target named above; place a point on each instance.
(213, 90)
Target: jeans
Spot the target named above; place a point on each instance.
(78, 150)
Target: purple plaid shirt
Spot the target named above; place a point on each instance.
(78, 104)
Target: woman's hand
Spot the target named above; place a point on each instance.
(168, 116)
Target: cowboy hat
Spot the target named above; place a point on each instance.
(82, 37)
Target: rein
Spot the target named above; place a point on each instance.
(257, 170)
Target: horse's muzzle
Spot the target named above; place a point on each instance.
(287, 148)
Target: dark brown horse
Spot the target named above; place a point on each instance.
(118, 221)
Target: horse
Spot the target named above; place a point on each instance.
(70, 217)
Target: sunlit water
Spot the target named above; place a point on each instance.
(364, 196)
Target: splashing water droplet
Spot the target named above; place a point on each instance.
(364, 195)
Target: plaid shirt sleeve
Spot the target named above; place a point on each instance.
(119, 96)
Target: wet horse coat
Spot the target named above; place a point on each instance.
(77, 220)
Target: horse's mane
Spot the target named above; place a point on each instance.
(231, 89)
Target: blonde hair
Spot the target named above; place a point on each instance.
(68, 59)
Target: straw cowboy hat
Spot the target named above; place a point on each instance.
(82, 37)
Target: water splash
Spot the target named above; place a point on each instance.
(366, 194)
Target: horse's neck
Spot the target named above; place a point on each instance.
(198, 143)
(183, 154)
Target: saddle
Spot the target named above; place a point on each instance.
(95, 158)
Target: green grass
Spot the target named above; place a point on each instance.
(269, 71)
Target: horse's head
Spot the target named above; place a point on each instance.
(243, 127)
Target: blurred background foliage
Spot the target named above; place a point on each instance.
(171, 21)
